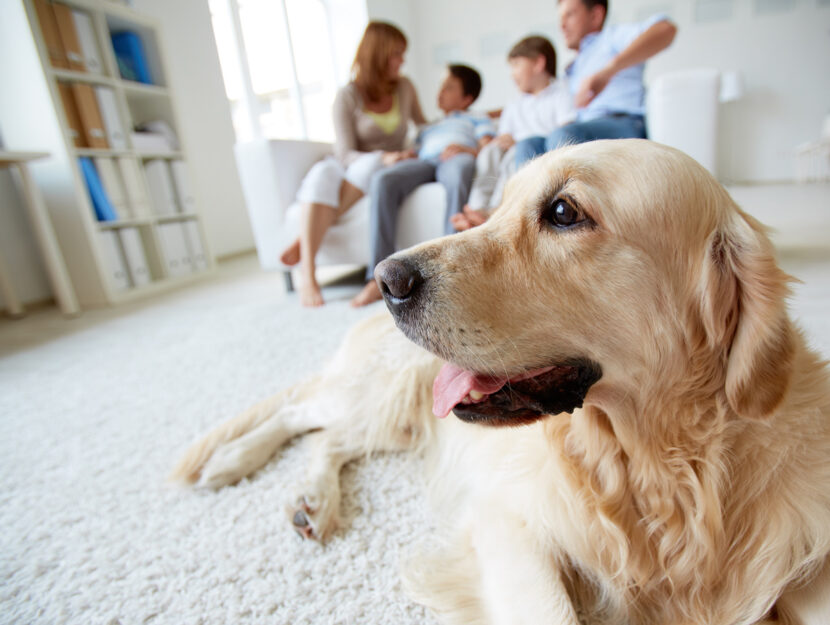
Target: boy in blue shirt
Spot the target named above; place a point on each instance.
(446, 151)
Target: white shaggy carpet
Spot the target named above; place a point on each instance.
(93, 420)
(93, 413)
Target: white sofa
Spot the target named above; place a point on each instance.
(271, 171)
(682, 111)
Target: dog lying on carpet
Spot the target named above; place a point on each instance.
(670, 462)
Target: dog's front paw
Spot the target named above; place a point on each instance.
(228, 464)
(314, 515)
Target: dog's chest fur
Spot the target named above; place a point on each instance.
(633, 548)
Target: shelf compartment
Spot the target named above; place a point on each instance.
(177, 217)
(149, 43)
(123, 223)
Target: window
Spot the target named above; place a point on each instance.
(282, 61)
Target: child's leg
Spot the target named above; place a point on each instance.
(387, 191)
(506, 169)
(486, 176)
(456, 174)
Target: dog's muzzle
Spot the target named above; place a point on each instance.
(400, 282)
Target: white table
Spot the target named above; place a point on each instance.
(45, 235)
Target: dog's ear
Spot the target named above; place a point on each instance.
(744, 312)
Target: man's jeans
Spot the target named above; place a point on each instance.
(619, 126)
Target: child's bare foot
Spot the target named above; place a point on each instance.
(291, 255)
(475, 217)
(310, 294)
(460, 222)
(369, 294)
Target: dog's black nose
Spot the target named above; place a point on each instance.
(398, 280)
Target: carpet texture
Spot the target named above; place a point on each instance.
(92, 419)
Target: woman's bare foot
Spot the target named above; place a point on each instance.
(369, 294)
(291, 255)
(310, 294)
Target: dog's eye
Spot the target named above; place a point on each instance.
(561, 214)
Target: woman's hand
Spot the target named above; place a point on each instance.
(390, 158)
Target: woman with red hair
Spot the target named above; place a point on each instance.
(371, 123)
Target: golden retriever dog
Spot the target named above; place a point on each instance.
(641, 435)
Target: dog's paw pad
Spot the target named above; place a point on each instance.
(311, 517)
(307, 503)
(303, 526)
(302, 519)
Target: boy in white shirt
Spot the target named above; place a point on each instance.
(544, 104)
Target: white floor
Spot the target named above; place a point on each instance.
(799, 215)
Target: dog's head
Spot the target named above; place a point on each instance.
(616, 260)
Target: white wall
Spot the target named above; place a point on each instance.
(403, 14)
(348, 19)
(781, 47)
(205, 120)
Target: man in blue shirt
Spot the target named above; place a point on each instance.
(606, 77)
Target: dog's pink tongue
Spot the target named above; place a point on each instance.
(453, 384)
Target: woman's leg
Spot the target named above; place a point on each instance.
(291, 255)
(349, 195)
(320, 186)
(317, 219)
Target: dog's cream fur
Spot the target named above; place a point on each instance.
(693, 487)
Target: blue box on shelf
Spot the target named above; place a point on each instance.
(132, 62)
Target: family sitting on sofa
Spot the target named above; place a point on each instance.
(602, 98)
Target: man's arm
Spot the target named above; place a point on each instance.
(654, 39)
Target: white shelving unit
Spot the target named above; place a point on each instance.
(33, 118)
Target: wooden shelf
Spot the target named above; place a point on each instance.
(71, 76)
(133, 88)
(177, 217)
(146, 156)
(123, 223)
(98, 152)
(35, 121)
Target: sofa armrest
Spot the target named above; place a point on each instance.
(270, 171)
